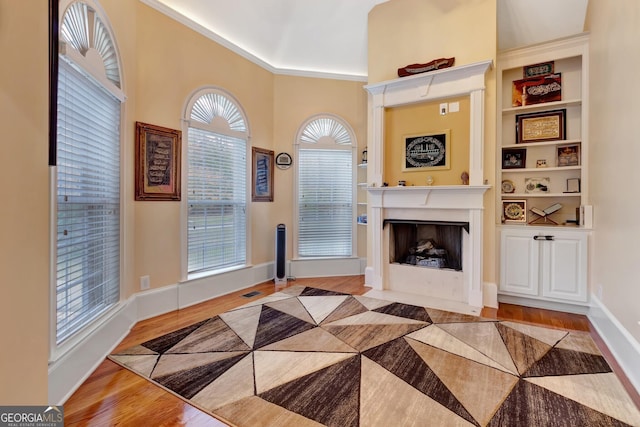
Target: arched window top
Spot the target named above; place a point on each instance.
(217, 109)
(326, 129)
(83, 29)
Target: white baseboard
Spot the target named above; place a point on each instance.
(326, 267)
(68, 372)
(623, 346)
(490, 294)
(544, 304)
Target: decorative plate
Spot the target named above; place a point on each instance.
(507, 186)
(513, 211)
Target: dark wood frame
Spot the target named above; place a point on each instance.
(157, 147)
(520, 153)
(553, 134)
(261, 175)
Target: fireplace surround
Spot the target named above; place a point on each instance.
(459, 290)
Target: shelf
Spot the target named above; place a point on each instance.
(362, 165)
(529, 195)
(544, 143)
(542, 107)
(542, 170)
(362, 203)
(362, 184)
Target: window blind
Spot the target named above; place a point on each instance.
(216, 200)
(325, 202)
(88, 201)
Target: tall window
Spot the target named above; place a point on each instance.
(88, 171)
(217, 183)
(325, 188)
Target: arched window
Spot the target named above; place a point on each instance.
(217, 145)
(87, 185)
(325, 208)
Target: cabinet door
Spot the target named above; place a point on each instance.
(565, 267)
(519, 262)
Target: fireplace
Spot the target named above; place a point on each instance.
(428, 244)
(414, 214)
(458, 286)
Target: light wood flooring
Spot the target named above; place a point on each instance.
(113, 395)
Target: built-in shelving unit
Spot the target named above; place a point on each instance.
(543, 255)
(542, 178)
(362, 194)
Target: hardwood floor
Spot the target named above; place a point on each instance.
(113, 395)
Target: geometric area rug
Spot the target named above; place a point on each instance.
(311, 357)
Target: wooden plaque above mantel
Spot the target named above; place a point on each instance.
(436, 64)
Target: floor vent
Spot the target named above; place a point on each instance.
(252, 294)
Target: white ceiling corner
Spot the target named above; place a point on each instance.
(329, 37)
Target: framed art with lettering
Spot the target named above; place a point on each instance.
(262, 175)
(427, 151)
(157, 169)
(541, 126)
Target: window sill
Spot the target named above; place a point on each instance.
(209, 273)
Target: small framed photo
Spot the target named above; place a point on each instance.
(568, 155)
(427, 151)
(157, 169)
(541, 163)
(262, 175)
(573, 185)
(514, 158)
(541, 126)
(283, 161)
(514, 211)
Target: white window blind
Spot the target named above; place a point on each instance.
(217, 202)
(88, 201)
(325, 202)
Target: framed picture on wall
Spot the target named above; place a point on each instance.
(261, 175)
(157, 172)
(427, 151)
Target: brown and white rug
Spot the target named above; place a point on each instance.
(311, 357)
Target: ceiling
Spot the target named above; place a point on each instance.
(329, 37)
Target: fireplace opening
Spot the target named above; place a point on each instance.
(430, 244)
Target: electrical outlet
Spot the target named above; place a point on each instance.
(144, 283)
(444, 108)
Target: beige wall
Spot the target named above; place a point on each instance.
(296, 100)
(173, 62)
(24, 216)
(614, 153)
(162, 63)
(403, 32)
(425, 119)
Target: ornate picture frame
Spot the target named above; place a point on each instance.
(541, 126)
(261, 175)
(157, 168)
(427, 151)
(514, 211)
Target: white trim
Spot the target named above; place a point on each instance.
(544, 304)
(624, 347)
(164, 9)
(326, 267)
(68, 372)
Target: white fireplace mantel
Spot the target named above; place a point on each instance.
(453, 202)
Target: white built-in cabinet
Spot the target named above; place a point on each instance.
(544, 262)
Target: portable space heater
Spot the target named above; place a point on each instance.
(281, 254)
